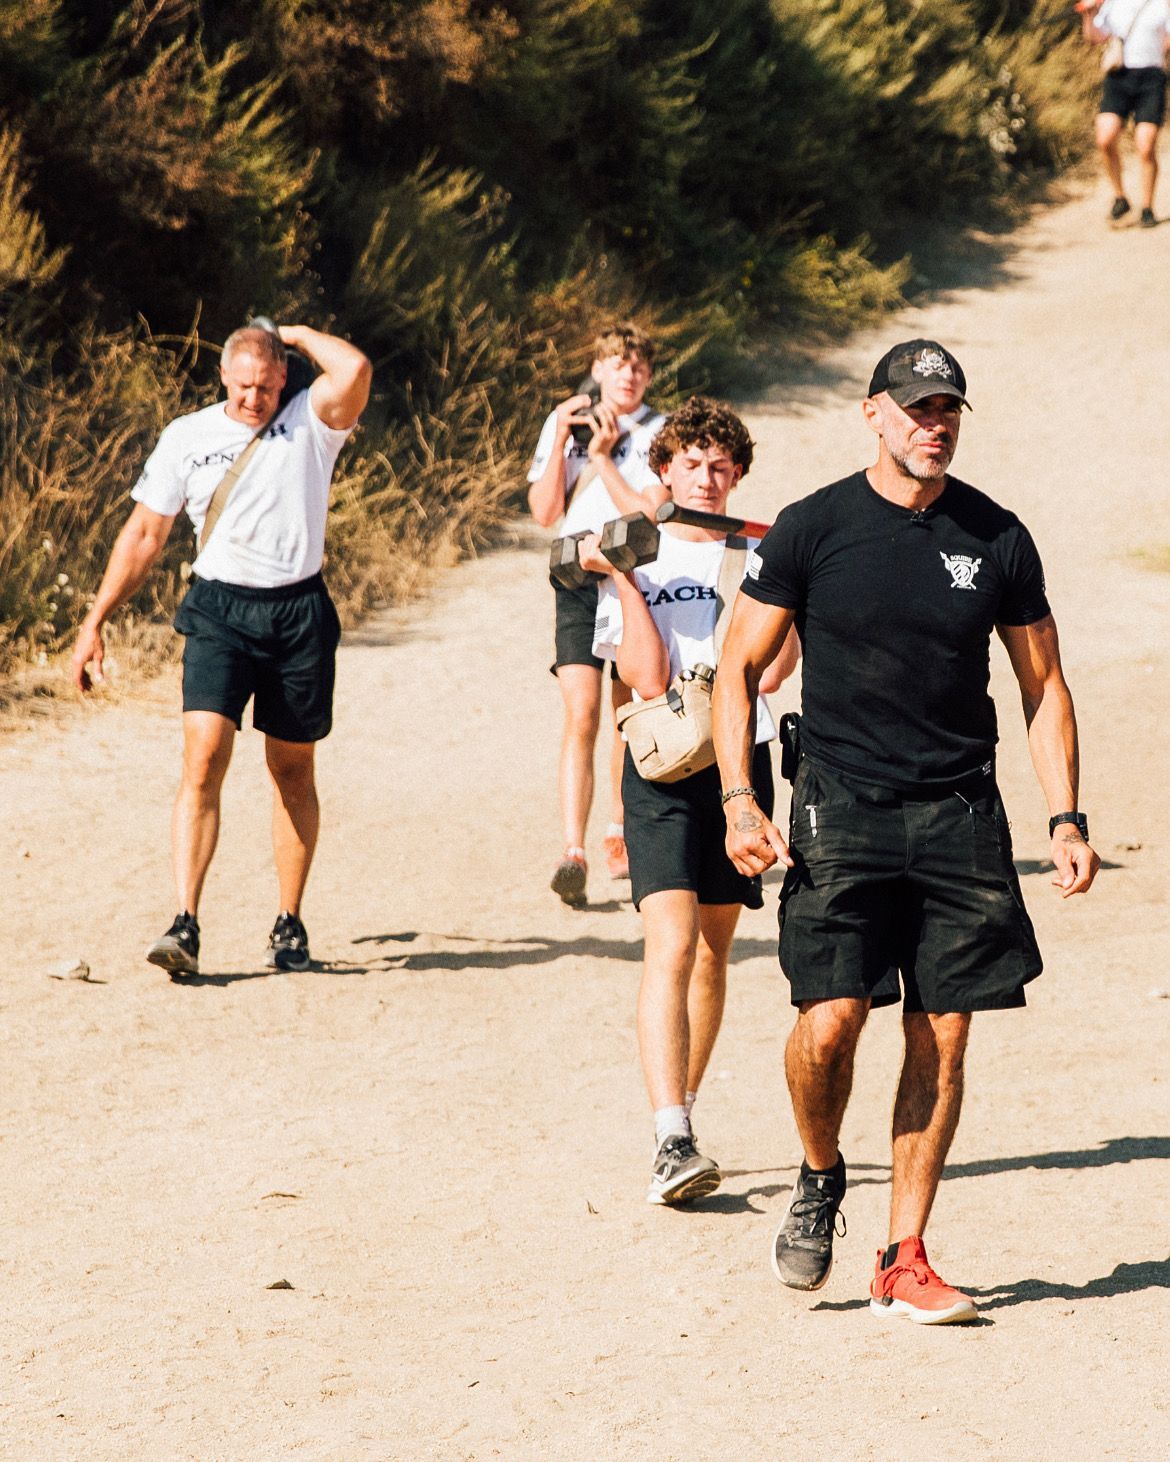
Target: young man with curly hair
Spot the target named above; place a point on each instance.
(657, 622)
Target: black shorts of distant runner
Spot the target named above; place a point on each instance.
(885, 882)
(278, 645)
(576, 617)
(1140, 90)
(675, 834)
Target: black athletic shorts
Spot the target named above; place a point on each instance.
(576, 617)
(1140, 90)
(885, 883)
(278, 645)
(675, 833)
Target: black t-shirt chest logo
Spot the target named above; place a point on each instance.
(962, 569)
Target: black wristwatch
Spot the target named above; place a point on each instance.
(1078, 819)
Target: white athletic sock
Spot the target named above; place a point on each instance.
(691, 1095)
(671, 1122)
(615, 830)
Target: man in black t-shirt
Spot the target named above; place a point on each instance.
(898, 857)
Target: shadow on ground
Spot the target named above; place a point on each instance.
(1112, 1151)
(223, 978)
(1124, 1279)
(503, 954)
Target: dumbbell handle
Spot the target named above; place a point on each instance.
(671, 512)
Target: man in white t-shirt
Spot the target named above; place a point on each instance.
(1138, 88)
(599, 473)
(655, 622)
(258, 619)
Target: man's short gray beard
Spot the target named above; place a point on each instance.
(933, 470)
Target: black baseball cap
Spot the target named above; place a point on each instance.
(916, 369)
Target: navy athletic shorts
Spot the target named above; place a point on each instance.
(276, 645)
(1137, 89)
(922, 885)
(576, 617)
(675, 834)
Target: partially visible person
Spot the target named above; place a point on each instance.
(1137, 89)
(258, 620)
(586, 484)
(656, 622)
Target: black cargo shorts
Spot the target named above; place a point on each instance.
(923, 886)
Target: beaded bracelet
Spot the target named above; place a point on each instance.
(738, 792)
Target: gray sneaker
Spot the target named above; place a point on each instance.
(802, 1251)
(681, 1173)
(177, 951)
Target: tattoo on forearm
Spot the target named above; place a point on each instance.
(748, 822)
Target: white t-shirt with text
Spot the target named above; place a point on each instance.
(1144, 26)
(592, 508)
(681, 587)
(272, 531)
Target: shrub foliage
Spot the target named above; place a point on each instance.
(463, 187)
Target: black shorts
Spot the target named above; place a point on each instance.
(1140, 90)
(278, 645)
(576, 618)
(675, 833)
(884, 883)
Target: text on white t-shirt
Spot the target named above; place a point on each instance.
(272, 531)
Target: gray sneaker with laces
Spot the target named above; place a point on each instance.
(802, 1251)
(177, 951)
(681, 1172)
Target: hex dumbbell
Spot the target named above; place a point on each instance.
(564, 566)
(629, 542)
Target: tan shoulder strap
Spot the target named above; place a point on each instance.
(731, 570)
(588, 473)
(219, 498)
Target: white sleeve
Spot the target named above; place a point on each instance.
(607, 627)
(544, 447)
(327, 440)
(161, 486)
(1103, 18)
(332, 436)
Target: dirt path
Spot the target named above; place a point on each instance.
(439, 1139)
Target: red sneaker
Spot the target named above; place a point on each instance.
(617, 860)
(910, 1289)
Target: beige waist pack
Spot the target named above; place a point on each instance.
(670, 736)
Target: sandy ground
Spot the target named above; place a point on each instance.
(393, 1207)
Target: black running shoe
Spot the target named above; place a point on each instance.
(682, 1173)
(1147, 219)
(569, 876)
(178, 949)
(802, 1251)
(1120, 208)
(288, 944)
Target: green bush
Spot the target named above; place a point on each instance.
(466, 189)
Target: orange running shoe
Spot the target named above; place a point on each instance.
(910, 1289)
(617, 860)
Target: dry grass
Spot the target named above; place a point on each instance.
(1155, 559)
(476, 289)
